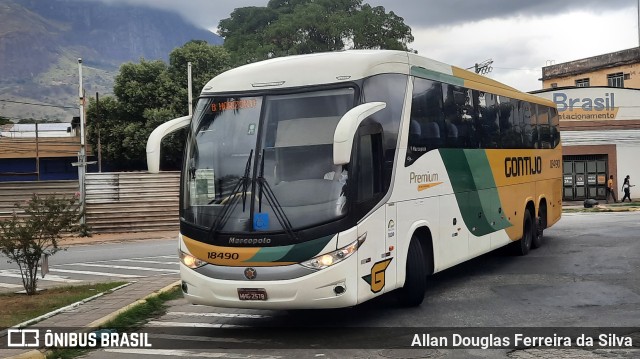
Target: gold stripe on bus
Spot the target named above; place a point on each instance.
(472, 76)
(512, 182)
(423, 187)
(226, 256)
(481, 83)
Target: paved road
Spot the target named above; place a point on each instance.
(586, 274)
(79, 264)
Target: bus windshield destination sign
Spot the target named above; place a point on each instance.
(233, 105)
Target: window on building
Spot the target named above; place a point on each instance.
(582, 83)
(615, 80)
(554, 85)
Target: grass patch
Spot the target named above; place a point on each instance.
(18, 308)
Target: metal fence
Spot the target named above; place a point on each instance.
(132, 201)
(22, 191)
(115, 202)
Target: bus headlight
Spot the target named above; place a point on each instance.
(190, 261)
(331, 258)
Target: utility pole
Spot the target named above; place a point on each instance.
(82, 159)
(98, 127)
(82, 155)
(37, 152)
(189, 85)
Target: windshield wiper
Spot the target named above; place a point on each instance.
(273, 202)
(229, 206)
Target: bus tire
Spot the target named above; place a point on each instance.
(536, 242)
(523, 246)
(415, 283)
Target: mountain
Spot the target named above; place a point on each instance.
(40, 41)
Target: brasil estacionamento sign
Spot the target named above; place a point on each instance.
(595, 103)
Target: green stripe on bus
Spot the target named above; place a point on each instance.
(270, 254)
(480, 169)
(486, 186)
(474, 188)
(307, 250)
(436, 76)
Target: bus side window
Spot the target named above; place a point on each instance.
(487, 126)
(555, 127)
(427, 126)
(509, 133)
(526, 127)
(544, 128)
(369, 164)
(459, 113)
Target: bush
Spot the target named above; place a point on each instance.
(33, 231)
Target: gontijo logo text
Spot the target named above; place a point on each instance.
(522, 166)
(586, 108)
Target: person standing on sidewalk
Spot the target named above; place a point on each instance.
(610, 191)
(626, 187)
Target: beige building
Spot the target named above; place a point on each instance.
(617, 69)
(598, 101)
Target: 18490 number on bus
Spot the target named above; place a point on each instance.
(223, 255)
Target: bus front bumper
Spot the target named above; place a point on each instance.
(332, 287)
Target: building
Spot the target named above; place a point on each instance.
(598, 101)
(47, 156)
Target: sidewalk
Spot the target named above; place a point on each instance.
(97, 312)
(602, 206)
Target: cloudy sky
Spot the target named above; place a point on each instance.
(520, 36)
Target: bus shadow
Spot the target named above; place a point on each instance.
(372, 311)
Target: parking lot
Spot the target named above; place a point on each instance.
(586, 275)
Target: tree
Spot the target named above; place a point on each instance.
(206, 62)
(147, 94)
(5, 120)
(141, 86)
(25, 238)
(289, 27)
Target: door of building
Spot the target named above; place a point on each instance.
(584, 177)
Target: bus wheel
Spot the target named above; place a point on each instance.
(537, 236)
(528, 234)
(415, 283)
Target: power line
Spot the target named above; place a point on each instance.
(37, 104)
(519, 69)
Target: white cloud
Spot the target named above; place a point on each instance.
(516, 34)
(520, 46)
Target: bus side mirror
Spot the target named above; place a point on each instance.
(155, 138)
(347, 127)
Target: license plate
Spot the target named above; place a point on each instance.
(252, 294)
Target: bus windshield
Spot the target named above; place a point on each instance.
(258, 163)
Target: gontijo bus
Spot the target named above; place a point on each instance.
(325, 180)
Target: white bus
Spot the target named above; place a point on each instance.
(325, 180)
